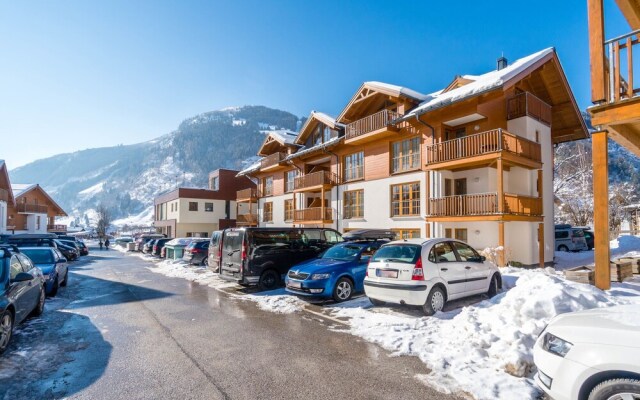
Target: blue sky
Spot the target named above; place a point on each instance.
(82, 74)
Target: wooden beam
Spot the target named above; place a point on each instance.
(601, 209)
(627, 137)
(501, 261)
(631, 11)
(500, 186)
(541, 245)
(622, 112)
(596, 50)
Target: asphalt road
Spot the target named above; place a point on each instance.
(119, 331)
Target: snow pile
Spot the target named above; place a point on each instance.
(181, 269)
(276, 301)
(486, 348)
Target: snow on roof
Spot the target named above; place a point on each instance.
(20, 188)
(251, 168)
(305, 150)
(283, 136)
(481, 83)
(325, 118)
(397, 89)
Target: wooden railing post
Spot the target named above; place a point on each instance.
(596, 51)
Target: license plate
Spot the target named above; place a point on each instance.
(295, 284)
(386, 273)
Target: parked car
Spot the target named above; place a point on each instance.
(21, 291)
(175, 247)
(569, 238)
(197, 252)
(263, 256)
(148, 246)
(123, 240)
(46, 240)
(84, 250)
(593, 354)
(73, 244)
(588, 236)
(141, 240)
(71, 253)
(158, 245)
(428, 273)
(215, 251)
(53, 265)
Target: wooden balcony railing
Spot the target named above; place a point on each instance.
(314, 179)
(247, 194)
(612, 67)
(526, 104)
(247, 219)
(56, 228)
(371, 123)
(31, 208)
(272, 159)
(482, 143)
(522, 205)
(313, 214)
(4, 195)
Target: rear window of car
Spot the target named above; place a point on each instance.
(403, 253)
(232, 240)
(39, 256)
(562, 234)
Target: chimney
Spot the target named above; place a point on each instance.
(502, 63)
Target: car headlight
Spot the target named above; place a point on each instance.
(316, 277)
(555, 345)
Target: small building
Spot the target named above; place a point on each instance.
(6, 196)
(192, 212)
(34, 211)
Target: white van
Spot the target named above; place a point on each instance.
(569, 238)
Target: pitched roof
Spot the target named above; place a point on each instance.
(395, 90)
(20, 189)
(283, 137)
(5, 182)
(319, 117)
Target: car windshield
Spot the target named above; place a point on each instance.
(347, 252)
(39, 256)
(403, 253)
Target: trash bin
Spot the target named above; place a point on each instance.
(131, 246)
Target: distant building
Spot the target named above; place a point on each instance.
(6, 196)
(191, 212)
(34, 211)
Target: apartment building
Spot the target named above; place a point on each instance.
(473, 161)
(190, 212)
(6, 196)
(34, 211)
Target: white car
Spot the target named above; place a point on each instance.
(428, 273)
(591, 355)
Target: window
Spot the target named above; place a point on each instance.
(405, 199)
(354, 204)
(465, 252)
(442, 252)
(447, 233)
(215, 183)
(354, 166)
(562, 234)
(288, 210)
(405, 155)
(407, 233)
(332, 237)
(16, 267)
(289, 180)
(208, 207)
(317, 135)
(267, 215)
(37, 222)
(461, 234)
(193, 206)
(267, 186)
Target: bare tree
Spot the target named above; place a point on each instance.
(104, 219)
(573, 183)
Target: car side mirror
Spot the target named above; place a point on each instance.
(22, 277)
(483, 258)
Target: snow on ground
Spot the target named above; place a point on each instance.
(623, 246)
(277, 301)
(145, 218)
(92, 190)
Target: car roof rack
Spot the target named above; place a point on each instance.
(11, 246)
(369, 234)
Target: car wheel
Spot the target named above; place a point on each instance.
(66, 279)
(40, 306)
(54, 289)
(6, 330)
(435, 301)
(269, 280)
(377, 303)
(563, 248)
(343, 290)
(493, 287)
(616, 389)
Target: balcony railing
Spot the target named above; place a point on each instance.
(247, 220)
(313, 214)
(314, 179)
(612, 69)
(250, 194)
(272, 159)
(4, 195)
(31, 208)
(526, 104)
(56, 228)
(484, 204)
(482, 143)
(371, 123)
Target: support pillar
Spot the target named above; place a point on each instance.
(541, 245)
(501, 261)
(600, 153)
(500, 186)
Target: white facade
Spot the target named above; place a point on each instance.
(35, 223)
(3, 216)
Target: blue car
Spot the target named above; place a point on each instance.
(52, 264)
(337, 273)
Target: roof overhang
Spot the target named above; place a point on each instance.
(61, 212)
(372, 95)
(310, 124)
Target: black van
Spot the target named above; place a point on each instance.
(262, 256)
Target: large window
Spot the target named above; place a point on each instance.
(405, 199)
(322, 133)
(354, 166)
(267, 215)
(405, 155)
(407, 233)
(289, 181)
(354, 204)
(267, 186)
(288, 210)
(193, 206)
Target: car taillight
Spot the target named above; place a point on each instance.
(196, 251)
(244, 252)
(418, 273)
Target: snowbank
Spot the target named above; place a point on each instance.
(277, 301)
(181, 269)
(623, 246)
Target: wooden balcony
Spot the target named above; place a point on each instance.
(247, 220)
(484, 207)
(31, 208)
(483, 149)
(56, 228)
(314, 215)
(250, 195)
(315, 181)
(373, 127)
(272, 161)
(527, 104)
(4, 195)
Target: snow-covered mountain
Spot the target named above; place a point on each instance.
(127, 178)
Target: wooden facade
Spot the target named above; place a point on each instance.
(33, 202)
